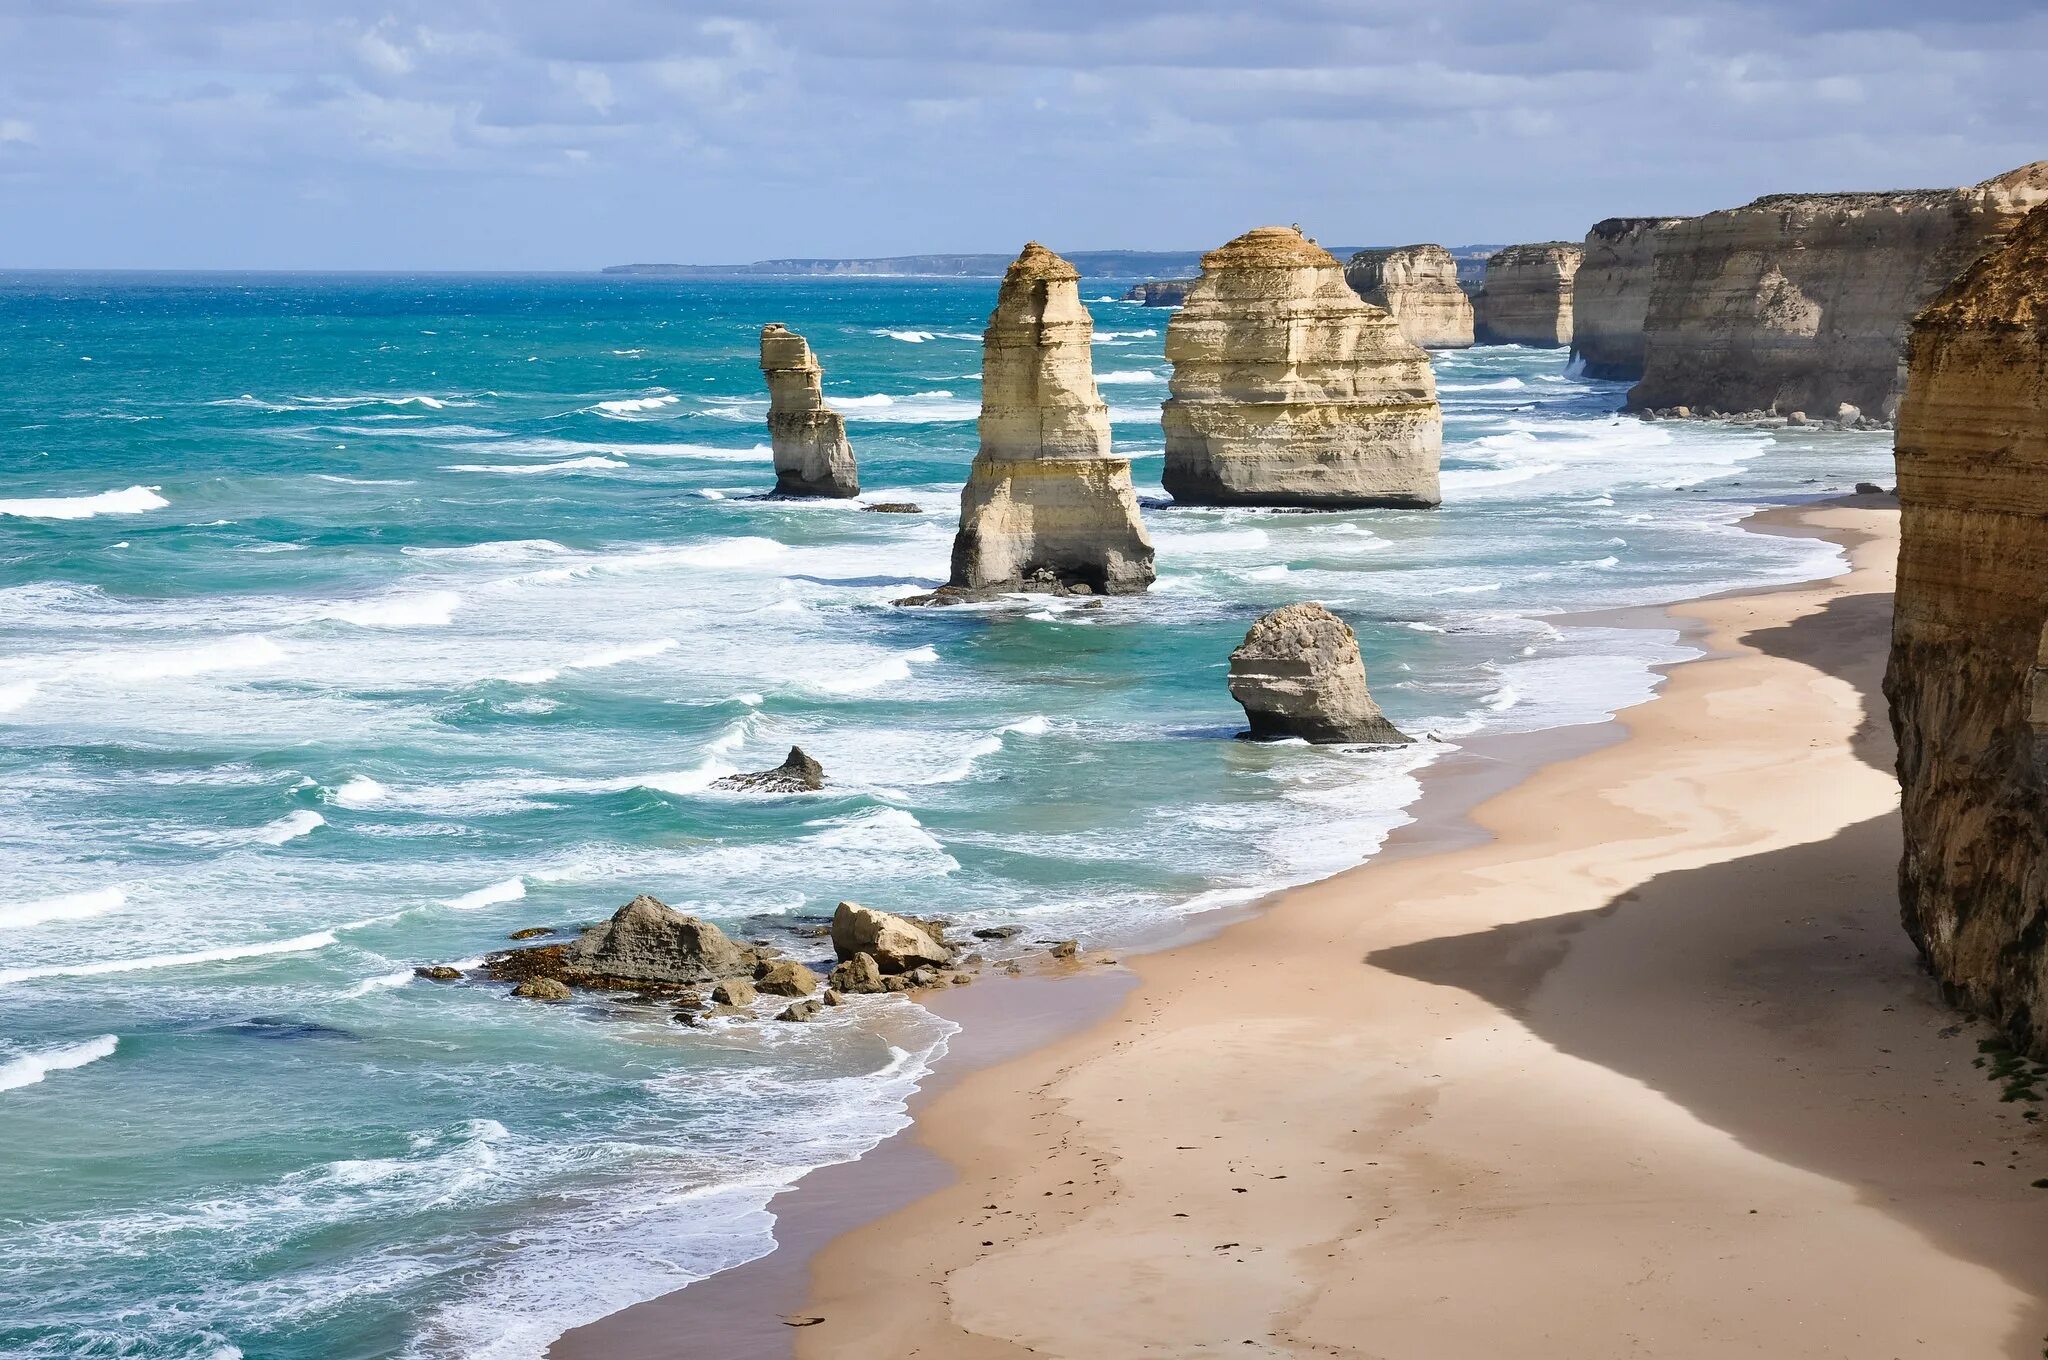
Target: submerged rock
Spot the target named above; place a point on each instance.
(531, 933)
(1528, 295)
(1418, 287)
(542, 989)
(1803, 301)
(798, 773)
(645, 945)
(1298, 674)
(1611, 295)
(1289, 389)
(893, 508)
(438, 972)
(1968, 680)
(1046, 501)
(895, 943)
(812, 457)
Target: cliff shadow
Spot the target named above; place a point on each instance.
(1777, 998)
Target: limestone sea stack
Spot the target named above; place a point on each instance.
(1047, 506)
(1418, 286)
(1527, 299)
(812, 457)
(1290, 389)
(1611, 295)
(1802, 302)
(1968, 680)
(1298, 674)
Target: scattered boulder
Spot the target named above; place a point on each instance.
(797, 773)
(438, 972)
(784, 977)
(542, 989)
(645, 946)
(997, 932)
(799, 1010)
(1869, 489)
(1066, 949)
(896, 943)
(1298, 674)
(733, 992)
(832, 998)
(859, 974)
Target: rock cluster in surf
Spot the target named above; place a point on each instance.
(812, 457)
(1288, 389)
(1527, 298)
(1611, 295)
(1418, 287)
(1968, 679)
(1298, 674)
(1047, 506)
(1802, 302)
(798, 773)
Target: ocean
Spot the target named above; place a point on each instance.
(350, 623)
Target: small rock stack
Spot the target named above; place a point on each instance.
(812, 457)
(1418, 287)
(1298, 674)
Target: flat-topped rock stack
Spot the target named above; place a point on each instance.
(812, 457)
(1527, 299)
(1288, 389)
(1968, 681)
(1611, 295)
(1418, 286)
(1047, 505)
(1802, 302)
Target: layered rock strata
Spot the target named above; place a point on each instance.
(1527, 299)
(1298, 674)
(1290, 389)
(1418, 287)
(1803, 301)
(1047, 505)
(812, 457)
(1968, 680)
(1611, 295)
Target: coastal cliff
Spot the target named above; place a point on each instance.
(1047, 506)
(1418, 286)
(812, 457)
(1803, 301)
(1290, 389)
(1527, 299)
(1611, 295)
(1968, 680)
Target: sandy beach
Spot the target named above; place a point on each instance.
(1652, 1071)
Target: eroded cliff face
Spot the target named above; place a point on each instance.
(1418, 287)
(1290, 389)
(1047, 506)
(812, 457)
(1528, 295)
(1611, 295)
(1802, 302)
(1968, 680)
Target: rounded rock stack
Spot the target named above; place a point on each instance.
(812, 457)
(1289, 389)
(1418, 286)
(1298, 674)
(1047, 505)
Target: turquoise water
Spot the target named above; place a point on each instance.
(348, 624)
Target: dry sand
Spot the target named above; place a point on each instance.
(1652, 1071)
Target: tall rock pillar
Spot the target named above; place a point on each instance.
(812, 457)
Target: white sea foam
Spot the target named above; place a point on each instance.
(592, 464)
(30, 1068)
(432, 609)
(630, 406)
(298, 944)
(289, 827)
(1128, 375)
(69, 907)
(1034, 726)
(873, 677)
(359, 792)
(16, 695)
(511, 890)
(174, 663)
(611, 656)
(383, 982)
(133, 501)
(1501, 385)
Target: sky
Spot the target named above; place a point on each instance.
(568, 134)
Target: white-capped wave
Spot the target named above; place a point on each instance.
(1501, 385)
(383, 982)
(431, 609)
(1033, 726)
(1128, 375)
(592, 464)
(30, 1068)
(298, 944)
(628, 406)
(132, 501)
(359, 792)
(289, 827)
(611, 656)
(511, 890)
(340, 403)
(881, 673)
(362, 481)
(174, 663)
(69, 907)
(16, 695)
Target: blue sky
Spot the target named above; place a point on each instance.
(542, 134)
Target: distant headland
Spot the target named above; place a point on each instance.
(1091, 263)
